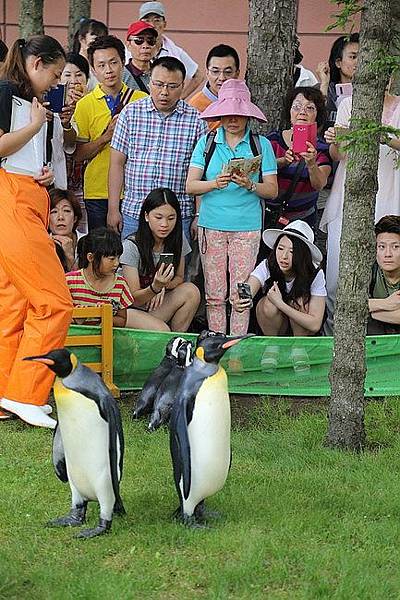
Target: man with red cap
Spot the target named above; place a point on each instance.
(141, 40)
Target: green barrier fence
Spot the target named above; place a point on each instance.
(302, 364)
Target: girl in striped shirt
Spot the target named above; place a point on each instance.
(97, 281)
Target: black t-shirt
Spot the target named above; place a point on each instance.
(7, 91)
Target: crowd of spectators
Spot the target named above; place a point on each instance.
(138, 152)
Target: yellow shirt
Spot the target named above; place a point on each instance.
(91, 116)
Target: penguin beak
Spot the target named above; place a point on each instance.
(41, 359)
(235, 340)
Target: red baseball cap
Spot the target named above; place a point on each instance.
(140, 26)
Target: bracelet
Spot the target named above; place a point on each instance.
(67, 128)
(153, 290)
(196, 214)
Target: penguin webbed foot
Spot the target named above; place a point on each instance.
(193, 522)
(75, 518)
(188, 521)
(103, 527)
(203, 514)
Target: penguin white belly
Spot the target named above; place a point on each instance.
(85, 438)
(209, 437)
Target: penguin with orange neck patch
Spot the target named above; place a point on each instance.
(88, 443)
(200, 427)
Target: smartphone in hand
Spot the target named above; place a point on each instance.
(244, 291)
(166, 258)
(303, 133)
(56, 97)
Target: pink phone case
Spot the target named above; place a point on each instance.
(302, 133)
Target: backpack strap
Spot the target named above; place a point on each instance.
(140, 83)
(374, 273)
(255, 146)
(208, 150)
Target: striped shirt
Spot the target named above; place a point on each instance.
(83, 294)
(304, 196)
(158, 150)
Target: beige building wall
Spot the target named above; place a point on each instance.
(196, 26)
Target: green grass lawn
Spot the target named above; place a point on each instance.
(300, 521)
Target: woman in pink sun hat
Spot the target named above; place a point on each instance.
(228, 209)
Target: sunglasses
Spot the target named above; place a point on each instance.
(139, 40)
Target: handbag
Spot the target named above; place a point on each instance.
(275, 216)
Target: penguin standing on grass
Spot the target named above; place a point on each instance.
(200, 428)
(88, 444)
(145, 401)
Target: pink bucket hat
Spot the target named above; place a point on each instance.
(233, 99)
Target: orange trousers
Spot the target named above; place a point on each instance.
(35, 303)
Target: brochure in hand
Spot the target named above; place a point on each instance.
(243, 166)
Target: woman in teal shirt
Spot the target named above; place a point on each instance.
(229, 210)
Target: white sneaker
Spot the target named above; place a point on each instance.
(30, 413)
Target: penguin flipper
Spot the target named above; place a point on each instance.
(60, 466)
(179, 442)
(116, 453)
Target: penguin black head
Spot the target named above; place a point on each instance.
(211, 348)
(62, 362)
(172, 347)
(185, 354)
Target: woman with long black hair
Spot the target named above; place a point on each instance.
(157, 286)
(292, 282)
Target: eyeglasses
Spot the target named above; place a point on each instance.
(225, 72)
(169, 86)
(309, 109)
(151, 41)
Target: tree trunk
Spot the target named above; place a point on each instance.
(272, 28)
(357, 249)
(78, 9)
(30, 18)
(395, 6)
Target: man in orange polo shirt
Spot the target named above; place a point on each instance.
(222, 64)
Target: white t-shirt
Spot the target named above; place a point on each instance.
(169, 48)
(306, 78)
(318, 286)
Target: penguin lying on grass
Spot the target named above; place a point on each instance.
(145, 401)
(88, 443)
(166, 393)
(200, 428)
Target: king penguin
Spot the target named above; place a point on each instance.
(200, 427)
(88, 443)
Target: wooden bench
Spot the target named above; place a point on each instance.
(104, 340)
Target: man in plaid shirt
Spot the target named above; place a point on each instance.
(151, 147)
